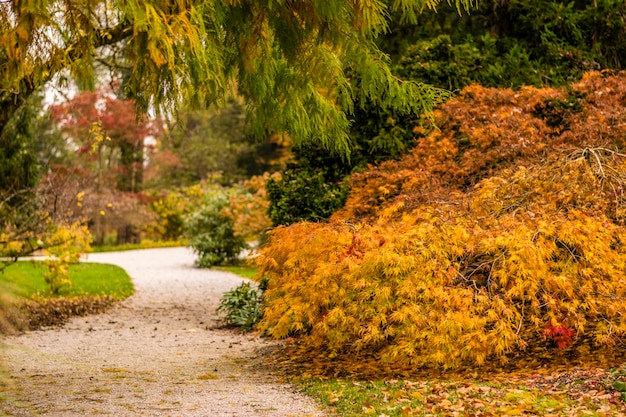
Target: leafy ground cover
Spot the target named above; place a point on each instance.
(94, 288)
(569, 393)
(539, 385)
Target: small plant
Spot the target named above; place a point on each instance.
(242, 306)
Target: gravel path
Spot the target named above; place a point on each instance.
(156, 354)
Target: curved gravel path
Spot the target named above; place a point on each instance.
(158, 353)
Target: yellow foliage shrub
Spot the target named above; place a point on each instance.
(249, 205)
(448, 285)
(441, 260)
(65, 244)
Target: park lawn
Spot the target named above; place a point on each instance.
(26, 279)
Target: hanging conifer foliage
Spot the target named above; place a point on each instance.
(287, 58)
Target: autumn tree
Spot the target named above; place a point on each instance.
(287, 59)
(204, 144)
(102, 182)
(110, 139)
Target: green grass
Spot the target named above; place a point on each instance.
(243, 271)
(145, 244)
(25, 279)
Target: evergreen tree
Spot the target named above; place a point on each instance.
(19, 168)
(511, 43)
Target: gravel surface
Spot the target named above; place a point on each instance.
(158, 353)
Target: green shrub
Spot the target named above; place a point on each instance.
(211, 233)
(242, 306)
(310, 189)
(303, 195)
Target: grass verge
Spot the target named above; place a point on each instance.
(145, 244)
(243, 271)
(94, 288)
(26, 279)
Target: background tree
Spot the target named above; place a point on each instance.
(511, 43)
(205, 144)
(107, 169)
(111, 140)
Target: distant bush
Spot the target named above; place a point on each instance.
(211, 233)
(248, 207)
(171, 208)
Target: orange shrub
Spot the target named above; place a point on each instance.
(501, 231)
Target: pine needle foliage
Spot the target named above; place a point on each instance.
(287, 58)
(500, 234)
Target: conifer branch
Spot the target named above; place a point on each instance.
(113, 35)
